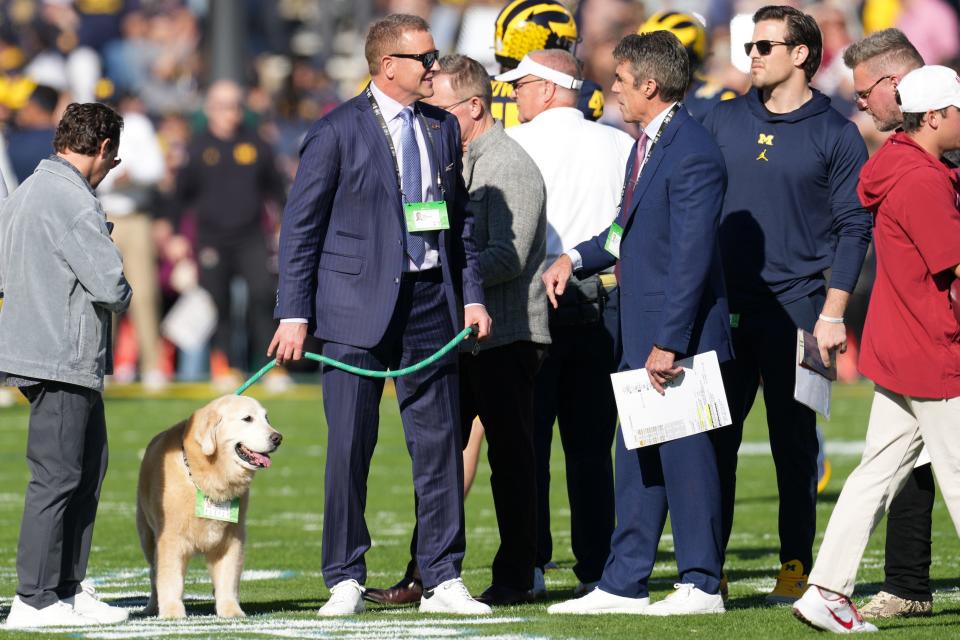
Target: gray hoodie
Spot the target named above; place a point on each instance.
(61, 277)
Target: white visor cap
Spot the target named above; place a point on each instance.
(530, 67)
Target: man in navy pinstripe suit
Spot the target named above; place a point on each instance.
(382, 287)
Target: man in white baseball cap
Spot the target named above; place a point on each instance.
(909, 346)
(530, 67)
(929, 88)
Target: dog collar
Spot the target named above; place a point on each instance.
(183, 452)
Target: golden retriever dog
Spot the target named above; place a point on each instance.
(216, 452)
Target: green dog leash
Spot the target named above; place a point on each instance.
(370, 373)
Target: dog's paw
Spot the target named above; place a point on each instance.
(230, 610)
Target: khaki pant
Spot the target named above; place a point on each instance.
(133, 236)
(898, 429)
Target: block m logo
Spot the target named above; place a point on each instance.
(765, 139)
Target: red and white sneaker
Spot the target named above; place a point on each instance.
(829, 611)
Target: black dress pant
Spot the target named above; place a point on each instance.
(765, 344)
(573, 390)
(497, 386)
(247, 258)
(67, 458)
(908, 551)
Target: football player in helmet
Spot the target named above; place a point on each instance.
(527, 25)
(703, 92)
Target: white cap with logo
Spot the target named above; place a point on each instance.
(530, 67)
(929, 88)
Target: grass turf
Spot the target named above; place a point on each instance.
(282, 587)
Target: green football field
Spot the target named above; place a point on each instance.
(282, 586)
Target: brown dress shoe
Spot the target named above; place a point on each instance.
(407, 591)
(501, 596)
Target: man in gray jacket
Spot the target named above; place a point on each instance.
(62, 278)
(508, 203)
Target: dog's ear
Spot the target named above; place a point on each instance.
(205, 424)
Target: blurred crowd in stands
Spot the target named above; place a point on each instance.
(206, 164)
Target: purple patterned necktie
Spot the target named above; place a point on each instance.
(631, 188)
(411, 181)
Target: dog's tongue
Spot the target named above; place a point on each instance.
(259, 458)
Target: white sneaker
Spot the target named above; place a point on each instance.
(829, 611)
(58, 614)
(452, 597)
(346, 599)
(686, 600)
(583, 588)
(599, 601)
(539, 589)
(86, 603)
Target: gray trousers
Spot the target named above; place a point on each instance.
(67, 457)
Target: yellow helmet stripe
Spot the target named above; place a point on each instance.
(507, 14)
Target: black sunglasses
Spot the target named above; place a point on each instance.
(426, 59)
(764, 47)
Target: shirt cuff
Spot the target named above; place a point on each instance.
(475, 304)
(292, 320)
(575, 257)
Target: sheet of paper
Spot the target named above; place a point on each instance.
(191, 321)
(693, 403)
(810, 388)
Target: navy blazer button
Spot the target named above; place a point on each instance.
(396, 281)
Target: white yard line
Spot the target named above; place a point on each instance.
(270, 626)
(839, 448)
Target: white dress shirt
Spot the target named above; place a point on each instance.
(391, 109)
(582, 164)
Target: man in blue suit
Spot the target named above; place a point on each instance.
(673, 305)
(376, 258)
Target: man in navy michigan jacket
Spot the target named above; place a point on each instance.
(791, 211)
(373, 263)
(673, 305)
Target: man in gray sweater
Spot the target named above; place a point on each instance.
(508, 203)
(62, 278)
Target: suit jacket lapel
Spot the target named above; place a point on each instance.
(431, 137)
(649, 170)
(379, 151)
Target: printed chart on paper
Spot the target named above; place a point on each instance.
(693, 403)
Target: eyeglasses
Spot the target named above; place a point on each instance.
(450, 107)
(517, 85)
(863, 95)
(764, 47)
(426, 59)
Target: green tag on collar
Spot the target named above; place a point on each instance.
(612, 245)
(426, 216)
(226, 511)
(734, 320)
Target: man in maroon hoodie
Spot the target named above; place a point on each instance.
(911, 340)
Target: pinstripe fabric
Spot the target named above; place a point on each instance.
(429, 409)
(342, 262)
(342, 235)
